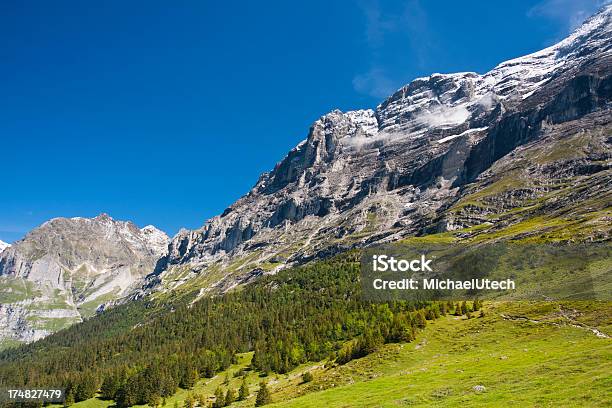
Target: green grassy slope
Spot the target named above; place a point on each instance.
(523, 354)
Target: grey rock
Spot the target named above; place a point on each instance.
(67, 268)
(369, 176)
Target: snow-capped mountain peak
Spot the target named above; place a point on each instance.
(3, 245)
(401, 163)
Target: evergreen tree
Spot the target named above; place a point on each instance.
(86, 387)
(464, 307)
(443, 309)
(263, 395)
(419, 320)
(307, 377)
(69, 400)
(201, 398)
(230, 397)
(110, 386)
(219, 398)
(154, 399)
(243, 393)
(189, 401)
(190, 377)
(457, 309)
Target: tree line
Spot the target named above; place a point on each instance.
(141, 352)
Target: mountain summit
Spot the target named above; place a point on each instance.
(461, 155)
(368, 176)
(67, 268)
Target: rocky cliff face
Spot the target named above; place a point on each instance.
(377, 175)
(67, 268)
(522, 149)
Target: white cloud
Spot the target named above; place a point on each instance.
(569, 13)
(384, 26)
(359, 142)
(443, 115)
(375, 83)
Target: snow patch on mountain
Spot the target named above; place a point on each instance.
(467, 132)
(369, 176)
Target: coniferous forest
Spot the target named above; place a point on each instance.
(310, 313)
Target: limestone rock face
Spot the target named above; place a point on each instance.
(370, 176)
(449, 153)
(67, 268)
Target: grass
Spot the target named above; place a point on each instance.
(522, 353)
(13, 290)
(520, 363)
(89, 308)
(52, 324)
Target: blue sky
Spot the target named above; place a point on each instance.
(165, 115)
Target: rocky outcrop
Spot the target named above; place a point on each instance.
(369, 176)
(67, 268)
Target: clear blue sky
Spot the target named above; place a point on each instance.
(165, 115)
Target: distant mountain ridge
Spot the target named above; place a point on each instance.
(67, 268)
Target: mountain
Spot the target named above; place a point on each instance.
(3, 245)
(530, 138)
(521, 153)
(66, 269)
(476, 155)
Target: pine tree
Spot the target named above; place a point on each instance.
(443, 309)
(464, 308)
(243, 393)
(263, 395)
(154, 399)
(201, 398)
(110, 386)
(69, 400)
(230, 397)
(189, 401)
(190, 377)
(86, 387)
(419, 320)
(219, 398)
(457, 310)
